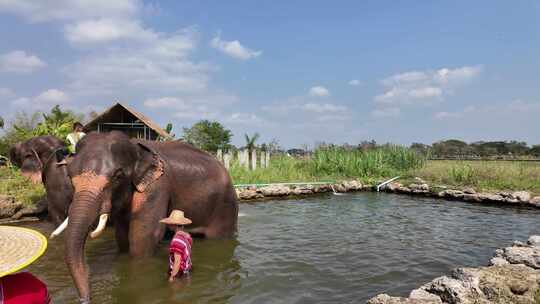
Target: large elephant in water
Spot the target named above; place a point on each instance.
(37, 158)
(138, 183)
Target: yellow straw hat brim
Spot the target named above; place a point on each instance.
(170, 221)
(20, 247)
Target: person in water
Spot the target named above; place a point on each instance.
(180, 246)
(74, 137)
(21, 247)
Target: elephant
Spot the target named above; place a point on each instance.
(137, 183)
(37, 158)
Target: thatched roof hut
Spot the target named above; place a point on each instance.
(122, 118)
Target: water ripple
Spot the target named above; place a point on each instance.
(325, 249)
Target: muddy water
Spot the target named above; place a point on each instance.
(326, 249)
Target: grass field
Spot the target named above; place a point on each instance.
(483, 175)
(12, 183)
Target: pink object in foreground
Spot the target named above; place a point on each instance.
(23, 288)
(181, 244)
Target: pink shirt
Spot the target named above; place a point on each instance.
(181, 244)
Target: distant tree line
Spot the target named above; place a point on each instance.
(454, 148)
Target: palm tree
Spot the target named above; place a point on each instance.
(250, 144)
(250, 141)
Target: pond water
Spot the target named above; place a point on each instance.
(324, 249)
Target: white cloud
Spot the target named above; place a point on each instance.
(40, 11)
(105, 30)
(196, 113)
(6, 93)
(446, 76)
(446, 115)
(427, 92)
(319, 91)
(355, 82)
(162, 65)
(514, 108)
(234, 49)
(164, 102)
(425, 86)
(43, 101)
(249, 119)
(52, 96)
(20, 62)
(323, 108)
(386, 112)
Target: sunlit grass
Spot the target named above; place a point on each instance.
(12, 183)
(484, 175)
(333, 164)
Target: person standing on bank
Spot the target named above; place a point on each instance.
(180, 247)
(74, 137)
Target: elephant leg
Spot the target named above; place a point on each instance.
(145, 231)
(121, 227)
(56, 209)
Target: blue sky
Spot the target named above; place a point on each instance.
(302, 72)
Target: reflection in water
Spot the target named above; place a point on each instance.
(324, 249)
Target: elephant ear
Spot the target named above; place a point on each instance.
(149, 168)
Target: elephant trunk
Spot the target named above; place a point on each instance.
(82, 213)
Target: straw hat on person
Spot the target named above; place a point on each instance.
(19, 248)
(176, 218)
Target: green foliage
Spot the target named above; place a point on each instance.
(282, 169)
(251, 141)
(58, 123)
(208, 135)
(462, 174)
(1, 122)
(25, 126)
(535, 150)
(458, 149)
(388, 160)
(168, 128)
(12, 183)
(483, 175)
(20, 129)
(333, 163)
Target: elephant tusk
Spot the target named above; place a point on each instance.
(60, 229)
(101, 225)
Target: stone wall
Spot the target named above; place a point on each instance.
(11, 210)
(466, 194)
(512, 277)
(419, 187)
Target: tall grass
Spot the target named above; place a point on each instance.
(484, 175)
(333, 163)
(12, 183)
(381, 162)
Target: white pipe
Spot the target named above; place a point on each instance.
(101, 226)
(334, 190)
(386, 182)
(60, 228)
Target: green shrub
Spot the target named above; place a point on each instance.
(12, 183)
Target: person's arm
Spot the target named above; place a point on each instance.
(176, 266)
